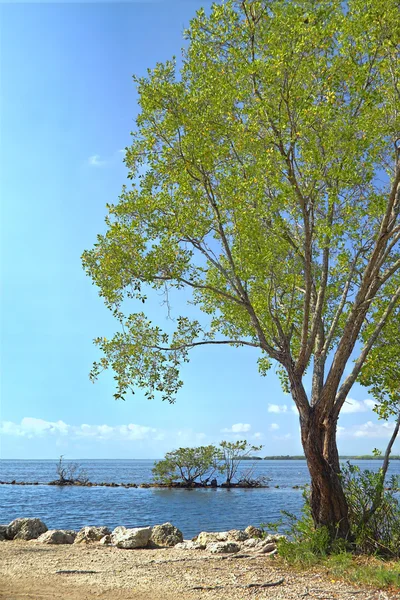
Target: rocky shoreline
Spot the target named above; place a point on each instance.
(251, 539)
(230, 565)
(152, 485)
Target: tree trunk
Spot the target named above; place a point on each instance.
(328, 503)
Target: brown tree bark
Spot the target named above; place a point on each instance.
(328, 503)
(318, 436)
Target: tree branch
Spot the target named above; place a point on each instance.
(200, 286)
(339, 310)
(208, 342)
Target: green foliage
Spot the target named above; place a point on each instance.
(375, 530)
(306, 544)
(381, 370)
(232, 454)
(198, 465)
(261, 175)
(187, 466)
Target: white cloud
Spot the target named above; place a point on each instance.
(374, 430)
(10, 428)
(283, 437)
(357, 406)
(118, 432)
(237, 428)
(370, 403)
(95, 161)
(367, 430)
(294, 410)
(31, 427)
(186, 436)
(274, 427)
(277, 408)
(258, 435)
(340, 430)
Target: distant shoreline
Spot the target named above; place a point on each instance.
(364, 457)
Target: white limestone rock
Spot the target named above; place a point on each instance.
(91, 534)
(204, 538)
(223, 547)
(57, 536)
(106, 540)
(25, 529)
(128, 539)
(238, 535)
(254, 532)
(250, 543)
(188, 545)
(165, 535)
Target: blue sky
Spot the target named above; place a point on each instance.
(68, 105)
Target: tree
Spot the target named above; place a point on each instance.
(266, 181)
(70, 473)
(188, 465)
(232, 454)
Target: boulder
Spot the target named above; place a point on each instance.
(251, 543)
(106, 540)
(91, 534)
(238, 535)
(57, 536)
(274, 537)
(25, 529)
(137, 537)
(223, 547)
(254, 532)
(3, 531)
(205, 537)
(266, 548)
(165, 535)
(118, 531)
(188, 545)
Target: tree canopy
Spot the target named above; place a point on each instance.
(188, 465)
(269, 176)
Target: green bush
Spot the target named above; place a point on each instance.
(374, 511)
(188, 466)
(305, 544)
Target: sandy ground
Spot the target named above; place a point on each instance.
(29, 570)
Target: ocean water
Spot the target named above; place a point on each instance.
(190, 510)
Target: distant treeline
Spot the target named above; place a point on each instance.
(362, 457)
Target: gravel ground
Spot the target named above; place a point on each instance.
(29, 570)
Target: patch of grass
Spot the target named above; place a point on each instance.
(361, 570)
(365, 570)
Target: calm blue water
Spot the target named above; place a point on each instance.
(190, 510)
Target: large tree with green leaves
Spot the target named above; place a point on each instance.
(265, 180)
